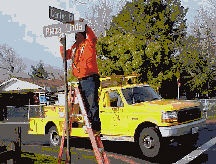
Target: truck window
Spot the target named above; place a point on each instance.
(139, 94)
(19, 114)
(115, 99)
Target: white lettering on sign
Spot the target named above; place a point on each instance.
(60, 15)
(57, 15)
(53, 31)
(58, 29)
(77, 27)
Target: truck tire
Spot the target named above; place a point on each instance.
(54, 138)
(149, 142)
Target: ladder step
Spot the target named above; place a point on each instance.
(101, 150)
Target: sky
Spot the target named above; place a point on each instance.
(22, 22)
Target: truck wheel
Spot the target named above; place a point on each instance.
(54, 138)
(149, 142)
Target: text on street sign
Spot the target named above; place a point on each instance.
(58, 29)
(60, 15)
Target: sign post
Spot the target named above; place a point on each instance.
(63, 42)
(68, 26)
(179, 84)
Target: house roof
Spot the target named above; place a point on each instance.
(16, 85)
(48, 84)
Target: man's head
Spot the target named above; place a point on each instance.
(80, 36)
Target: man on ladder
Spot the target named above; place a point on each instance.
(85, 69)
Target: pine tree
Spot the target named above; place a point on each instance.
(144, 38)
(38, 71)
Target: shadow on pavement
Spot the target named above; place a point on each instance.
(171, 153)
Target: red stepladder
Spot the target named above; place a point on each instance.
(71, 100)
(96, 142)
(62, 148)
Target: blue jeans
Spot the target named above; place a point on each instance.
(88, 87)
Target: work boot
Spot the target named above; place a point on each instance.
(96, 132)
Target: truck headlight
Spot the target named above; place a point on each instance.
(169, 117)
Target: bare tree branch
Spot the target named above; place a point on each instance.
(100, 15)
(11, 64)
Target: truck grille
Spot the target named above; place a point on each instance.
(189, 114)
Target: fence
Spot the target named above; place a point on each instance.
(12, 120)
(11, 152)
(209, 107)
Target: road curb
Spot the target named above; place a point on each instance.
(210, 121)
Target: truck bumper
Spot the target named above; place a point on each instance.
(178, 130)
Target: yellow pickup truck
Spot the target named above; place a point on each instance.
(133, 113)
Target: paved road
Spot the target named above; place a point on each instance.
(125, 152)
(207, 145)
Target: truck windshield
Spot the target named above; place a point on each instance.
(139, 94)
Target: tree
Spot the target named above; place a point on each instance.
(41, 71)
(10, 64)
(38, 71)
(54, 73)
(101, 13)
(197, 57)
(143, 39)
(71, 77)
(194, 70)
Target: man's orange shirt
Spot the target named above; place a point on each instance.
(84, 56)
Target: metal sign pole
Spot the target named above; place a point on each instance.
(178, 84)
(56, 30)
(178, 93)
(63, 39)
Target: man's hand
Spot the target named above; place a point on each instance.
(81, 20)
(62, 39)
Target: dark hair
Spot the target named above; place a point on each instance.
(83, 33)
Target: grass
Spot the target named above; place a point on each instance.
(48, 155)
(32, 158)
(38, 158)
(211, 117)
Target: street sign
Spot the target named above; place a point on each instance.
(60, 15)
(58, 29)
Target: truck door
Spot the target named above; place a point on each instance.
(110, 113)
(36, 118)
